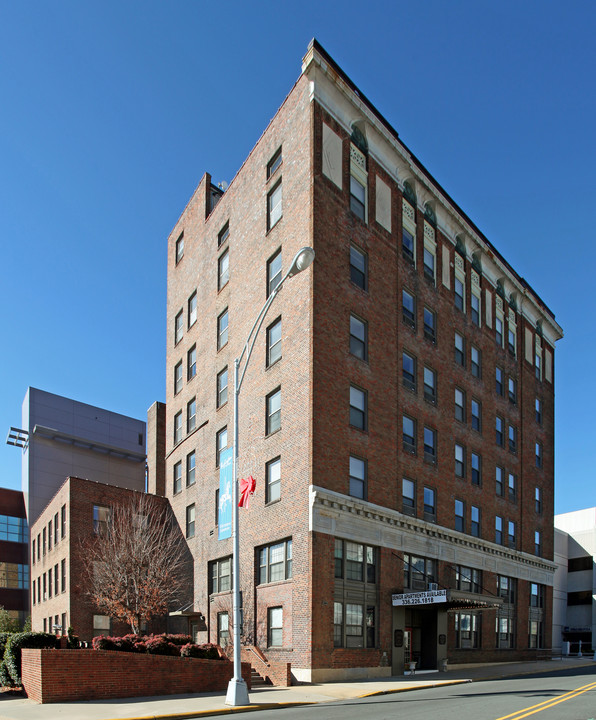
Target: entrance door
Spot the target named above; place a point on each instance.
(407, 646)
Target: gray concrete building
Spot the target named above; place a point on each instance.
(60, 437)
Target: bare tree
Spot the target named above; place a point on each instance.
(136, 561)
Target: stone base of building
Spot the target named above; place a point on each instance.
(324, 675)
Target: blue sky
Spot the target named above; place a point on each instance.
(110, 112)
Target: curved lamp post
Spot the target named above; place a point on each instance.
(237, 690)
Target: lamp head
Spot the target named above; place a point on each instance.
(301, 261)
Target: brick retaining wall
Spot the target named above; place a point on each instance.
(63, 675)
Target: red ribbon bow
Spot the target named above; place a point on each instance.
(247, 487)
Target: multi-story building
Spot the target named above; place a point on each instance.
(14, 556)
(79, 510)
(61, 437)
(397, 414)
(574, 606)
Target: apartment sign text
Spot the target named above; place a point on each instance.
(420, 598)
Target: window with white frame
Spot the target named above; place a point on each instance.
(221, 443)
(190, 521)
(408, 241)
(273, 417)
(467, 630)
(274, 627)
(177, 478)
(222, 329)
(222, 387)
(459, 286)
(191, 415)
(178, 377)
(273, 479)
(223, 270)
(430, 252)
(274, 342)
(191, 465)
(178, 327)
(179, 248)
(275, 562)
(192, 309)
(220, 575)
(274, 206)
(177, 427)
(358, 183)
(273, 272)
(191, 363)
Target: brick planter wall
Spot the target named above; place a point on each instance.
(63, 675)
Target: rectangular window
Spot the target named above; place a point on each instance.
(476, 415)
(475, 302)
(223, 629)
(191, 363)
(191, 415)
(274, 206)
(357, 485)
(476, 469)
(460, 516)
(43, 534)
(536, 595)
(511, 337)
(430, 385)
(355, 562)
(273, 419)
(407, 245)
(191, 463)
(511, 487)
(476, 362)
(179, 248)
(177, 478)
(223, 270)
(430, 445)
(499, 436)
(221, 443)
(50, 535)
(475, 521)
(32, 551)
(222, 329)
(512, 390)
(511, 539)
(429, 264)
(273, 272)
(220, 575)
(467, 633)
(273, 474)
(274, 164)
(192, 309)
(409, 371)
(358, 337)
(499, 530)
(274, 342)
(15, 576)
(538, 365)
(178, 327)
(101, 519)
(190, 521)
(538, 409)
(538, 500)
(358, 408)
(408, 309)
(178, 378)
(499, 330)
(418, 572)
(62, 521)
(274, 627)
(538, 451)
(357, 198)
(430, 323)
(499, 487)
(409, 434)
(460, 460)
(56, 529)
(468, 579)
(499, 381)
(16, 529)
(408, 491)
(275, 562)
(222, 387)
(430, 504)
(223, 235)
(358, 268)
(460, 405)
(50, 583)
(459, 291)
(177, 427)
(460, 350)
(538, 543)
(512, 434)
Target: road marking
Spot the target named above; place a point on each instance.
(548, 703)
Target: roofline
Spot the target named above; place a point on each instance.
(316, 45)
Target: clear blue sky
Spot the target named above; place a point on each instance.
(110, 112)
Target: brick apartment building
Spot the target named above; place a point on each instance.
(14, 555)
(398, 412)
(79, 509)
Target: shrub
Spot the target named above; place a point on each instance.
(3, 640)
(101, 642)
(18, 641)
(178, 639)
(207, 652)
(72, 641)
(5, 679)
(160, 646)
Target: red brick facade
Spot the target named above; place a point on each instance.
(317, 369)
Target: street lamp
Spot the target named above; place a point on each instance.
(237, 690)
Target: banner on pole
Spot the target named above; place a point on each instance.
(224, 511)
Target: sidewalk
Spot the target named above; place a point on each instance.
(190, 706)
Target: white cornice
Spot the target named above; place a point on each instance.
(349, 518)
(335, 95)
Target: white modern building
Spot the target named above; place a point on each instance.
(574, 595)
